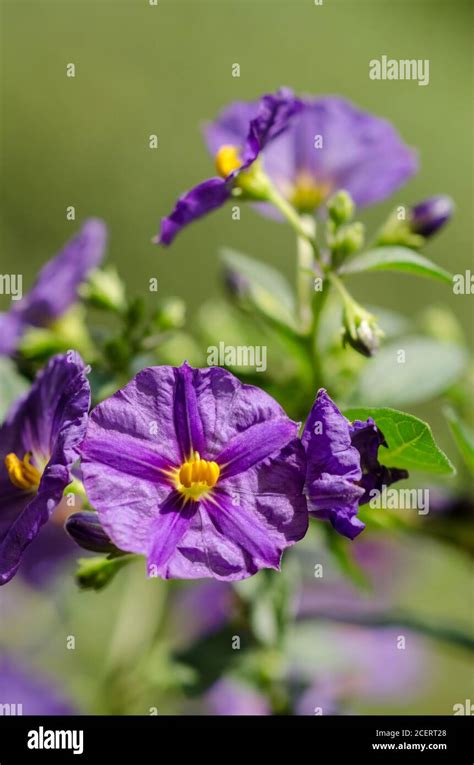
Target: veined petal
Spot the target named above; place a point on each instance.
(126, 454)
(327, 440)
(188, 425)
(246, 530)
(255, 444)
(167, 531)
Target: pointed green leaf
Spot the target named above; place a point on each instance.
(410, 440)
(396, 259)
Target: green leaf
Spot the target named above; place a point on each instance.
(396, 259)
(266, 289)
(12, 385)
(463, 436)
(410, 440)
(409, 370)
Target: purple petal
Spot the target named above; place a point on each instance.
(333, 467)
(327, 440)
(367, 438)
(189, 430)
(231, 126)
(56, 286)
(255, 444)
(196, 203)
(126, 454)
(168, 530)
(275, 112)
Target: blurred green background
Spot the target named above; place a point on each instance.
(142, 69)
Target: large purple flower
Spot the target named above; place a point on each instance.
(38, 445)
(342, 465)
(330, 144)
(270, 117)
(56, 285)
(201, 474)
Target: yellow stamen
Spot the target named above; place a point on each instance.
(196, 477)
(22, 473)
(227, 160)
(307, 195)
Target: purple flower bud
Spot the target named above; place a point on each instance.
(431, 215)
(86, 530)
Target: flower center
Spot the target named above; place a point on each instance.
(196, 477)
(22, 473)
(227, 160)
(306, 194)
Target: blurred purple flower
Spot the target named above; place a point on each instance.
(330, 145)
(56, 286)
(232, 697)
(38, 445)
(26, 693)
(200, 473)
(371, 667)
(342, 465)
(270, 117)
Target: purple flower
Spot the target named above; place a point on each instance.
(56, 286)
(429, 216)
(26, 693)
(330, 145)
(38, 445)
(201, 474)
(343, 466)
(270, 118)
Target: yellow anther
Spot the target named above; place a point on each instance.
(307, 195)
(227, 160)
(22, 473)
(196, 477)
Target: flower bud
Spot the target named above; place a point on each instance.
(429, 216)
(86, 530)
(346, 240)
(104, 289)
(361, 331)
(171, 314)
(341, 207)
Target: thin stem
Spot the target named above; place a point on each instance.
(305, 276)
